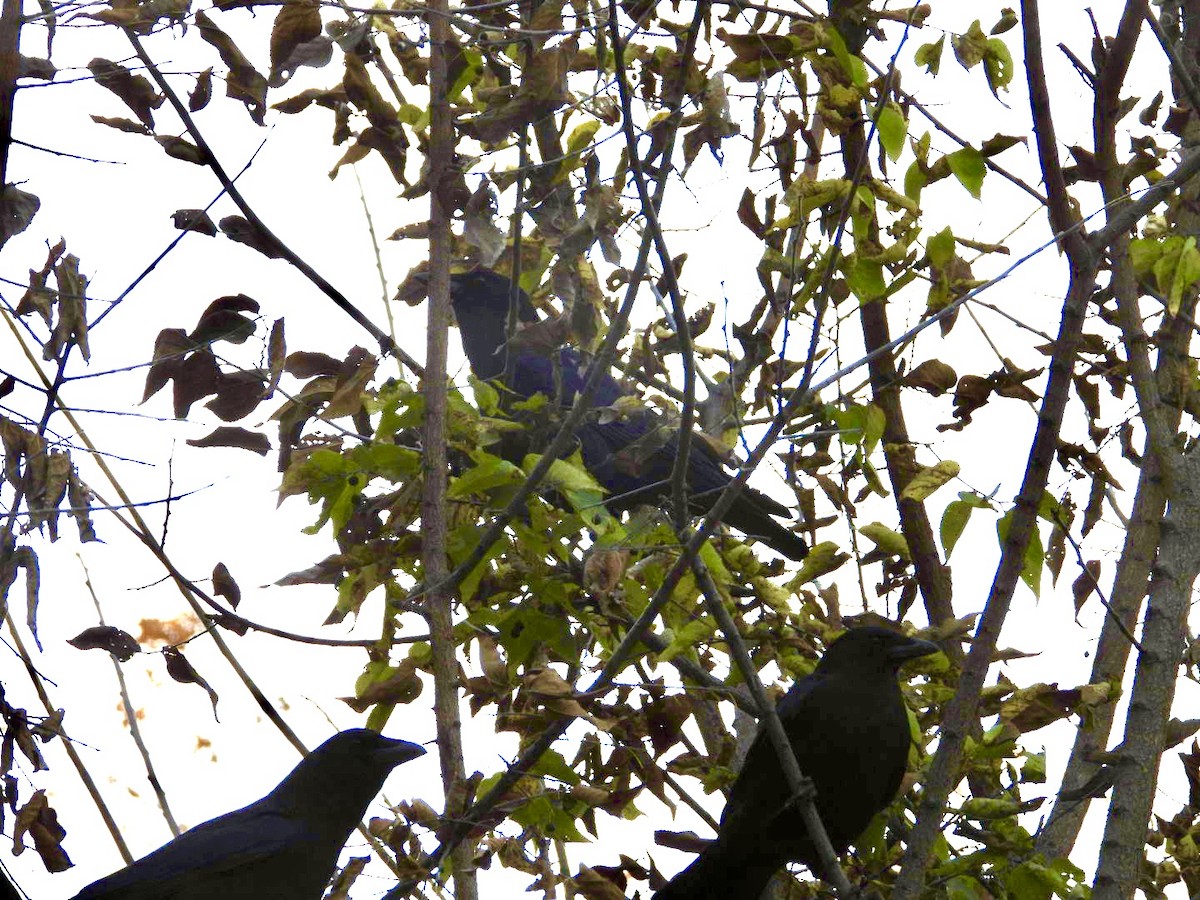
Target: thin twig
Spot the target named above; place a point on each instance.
(135, 728)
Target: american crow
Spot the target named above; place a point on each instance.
(849, 729)
(282, 847)
(631, 457)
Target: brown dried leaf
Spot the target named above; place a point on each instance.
(402, 685)
(197, 377)
(225, 586)
(238, 394)
(222, 320)
(178, 148)
(243, 82)
(296, 23)
(39, 820)
(71, 327)
(17, 209)
(202, 93)
(120, 644)
(239, 229)
(169, 349)
(127, 125)
(182, 671)
(194, 220)
(233, 436)
(276, 357)
(80, 496)
(591, 884)
(933, 376)
(135, 91)
(1082, 587)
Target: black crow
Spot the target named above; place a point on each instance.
(631, 456)
(848, 726)
(282, 847)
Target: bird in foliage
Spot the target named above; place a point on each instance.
(282, 847)
(631, 456)
(848, 726)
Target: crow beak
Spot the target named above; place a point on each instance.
(401, 751)
(909, 648)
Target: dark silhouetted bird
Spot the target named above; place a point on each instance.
(282, 847)
(632, 456)
(848, 726)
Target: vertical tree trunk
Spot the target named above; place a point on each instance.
(433, 510)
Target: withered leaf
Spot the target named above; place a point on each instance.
(120, 644)
(169, 349)
(1083, 586)
(331, 99)
(402, 685)
(239, 229)
(543, 90)
(238, 393)
(276, 357)
(80, 496)
(194, 220)
(72, 326)
(202, 92)
(933, 376)
(225, 586)
(127, 125)
(327, 571)
(234, 436)
(135, 91)
(222, 320)
(592, 885)
(182, 671)
(39, 820)
(243, 82)
(18, 208)
(36, 67)
(296, 23)
(179, 148)
(197, 377)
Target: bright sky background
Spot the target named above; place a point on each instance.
(116, 218)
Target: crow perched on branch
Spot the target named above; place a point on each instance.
(631, 456)
(282, 847)
(848, 727)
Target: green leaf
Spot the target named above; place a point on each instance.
(1006, 22)
(582, 491)
(1033, 770)
(914, 182)
(860, 424)
(1177, 269)
(930, 55)
(551, 764)
(889, 541)
(955, 518)
(940, 248)
(865, 278)
(969, 167)
(854, 67)
(929, 479)
(1144, 253)
(997, 65)
(1035, 556)
(486, 396)
(822, 559)
(488, 472)
(688, 636)
(892, 130)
